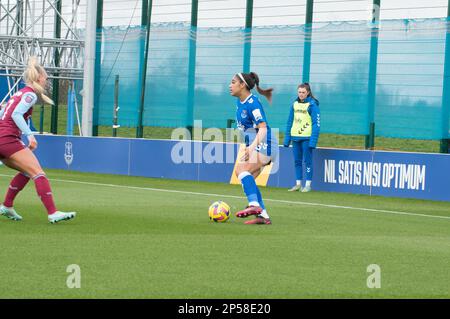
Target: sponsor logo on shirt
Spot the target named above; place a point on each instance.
(257, 114)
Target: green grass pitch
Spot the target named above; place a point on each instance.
(151, 238)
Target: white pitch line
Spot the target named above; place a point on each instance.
(242, 197)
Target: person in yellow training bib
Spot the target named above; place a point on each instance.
(303, 127)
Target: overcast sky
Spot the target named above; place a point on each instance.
(217, 13)
(214, 13)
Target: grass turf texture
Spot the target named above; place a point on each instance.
(141, 243)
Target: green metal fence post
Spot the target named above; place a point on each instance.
(98, 48)
(142, 38)
(228, 130)
(144, 13)
(56, 58)
(192, 67)
(248, 36)
(307, 40)
(370, 138)
(445, 141)
(19, 16)
(116, 106)
(41, 120)
(140, 127)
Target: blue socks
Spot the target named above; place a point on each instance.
(260, 200)
(249, 186)
(251, 190)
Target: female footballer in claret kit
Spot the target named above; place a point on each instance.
(16, 155)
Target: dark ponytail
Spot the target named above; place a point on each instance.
(252, 80)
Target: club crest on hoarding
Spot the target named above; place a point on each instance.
(68, 153)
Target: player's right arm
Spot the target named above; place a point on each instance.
(287, 135)
(6, 107)
(259, 121)
(27, 101)
(2, 111)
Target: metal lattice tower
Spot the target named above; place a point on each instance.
(49, 29)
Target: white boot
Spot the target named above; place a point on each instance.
(9, 212)
(307, 187)
(59, 216)
(296, 187)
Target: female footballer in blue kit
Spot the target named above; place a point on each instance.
(302, 129)
(261, 146)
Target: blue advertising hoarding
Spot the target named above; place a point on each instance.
(393, 174)
(413, 175)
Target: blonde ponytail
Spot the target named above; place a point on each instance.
(32, 73)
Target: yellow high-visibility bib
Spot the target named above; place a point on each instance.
(302, 123)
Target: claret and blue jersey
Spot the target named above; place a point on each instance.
(14, 116)
(249, 114)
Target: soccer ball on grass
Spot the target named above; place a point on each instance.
(219, 211)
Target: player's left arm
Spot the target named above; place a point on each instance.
(259, 120)
(314, 111)
(260, 137)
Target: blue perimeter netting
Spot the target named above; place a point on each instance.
(409, 82)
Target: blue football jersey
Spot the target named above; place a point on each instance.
(249, 114)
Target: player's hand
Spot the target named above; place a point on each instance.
(248, 151)
(32, 143)
(246, 156)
